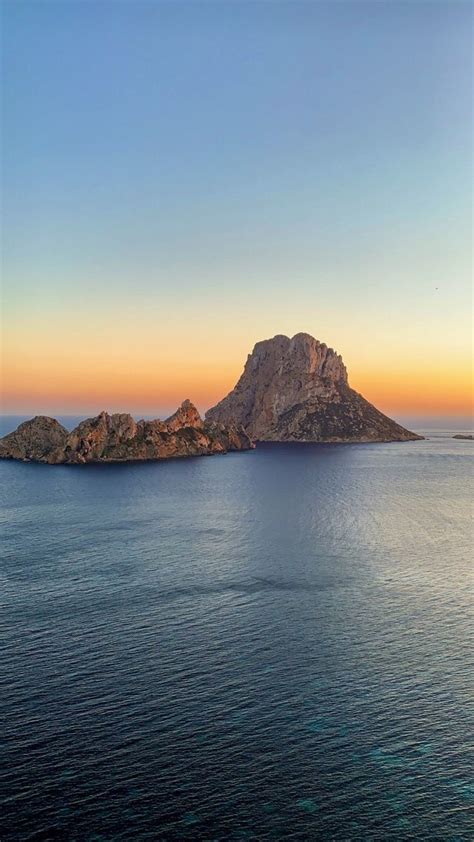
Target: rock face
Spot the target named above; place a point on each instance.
(297, 390)
(118, 438)
(34, 440)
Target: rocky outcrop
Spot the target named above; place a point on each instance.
(297, 390)
(185, 416)
(465, 437)
(34, 440)
(119, 438)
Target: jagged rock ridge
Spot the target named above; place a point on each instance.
(297, 390)
(119, 438)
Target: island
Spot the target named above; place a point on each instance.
(297, 390)
(119, 438)
(291, 390)
(465, 437)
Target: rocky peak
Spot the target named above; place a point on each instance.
(120, 424)
(297, 390)
(34, 439)
(185, 416)
(302, 356)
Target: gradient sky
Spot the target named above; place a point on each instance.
(183, 179)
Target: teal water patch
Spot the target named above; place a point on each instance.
(403, 822)
(308, 805)
(345, 730)
(398, 805)
(319, 684)
(318, 725)
(238, 715)
(464, 788)
(67, 774)
(190, 819)
(390, 759)
(134, 792)
(425, 748)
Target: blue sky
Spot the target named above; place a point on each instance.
(237, 170)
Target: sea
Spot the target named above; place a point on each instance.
(269, 645)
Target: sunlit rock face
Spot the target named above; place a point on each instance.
(119, 438)
(185, 416)
(297, 390)
(34, 440)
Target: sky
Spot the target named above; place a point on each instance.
(183, 179)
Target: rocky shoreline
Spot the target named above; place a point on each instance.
(119, 438)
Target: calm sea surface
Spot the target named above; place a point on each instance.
(265, 645)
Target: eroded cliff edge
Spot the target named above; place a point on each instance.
(297, 390)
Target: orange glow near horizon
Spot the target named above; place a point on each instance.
(133, 362)
(421, 393)
(47, 382)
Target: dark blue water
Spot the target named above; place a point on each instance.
(267, 645)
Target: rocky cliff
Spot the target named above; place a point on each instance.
(34, 440)
(118, 438)
(297, 390)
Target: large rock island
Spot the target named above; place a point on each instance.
(297, 390)
(119, 438)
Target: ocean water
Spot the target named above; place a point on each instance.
(260, 646)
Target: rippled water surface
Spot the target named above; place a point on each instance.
(266, 645)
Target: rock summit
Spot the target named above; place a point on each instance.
(297, 390)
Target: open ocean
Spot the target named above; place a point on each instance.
(267, 645)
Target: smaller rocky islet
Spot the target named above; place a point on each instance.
(119, 438)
